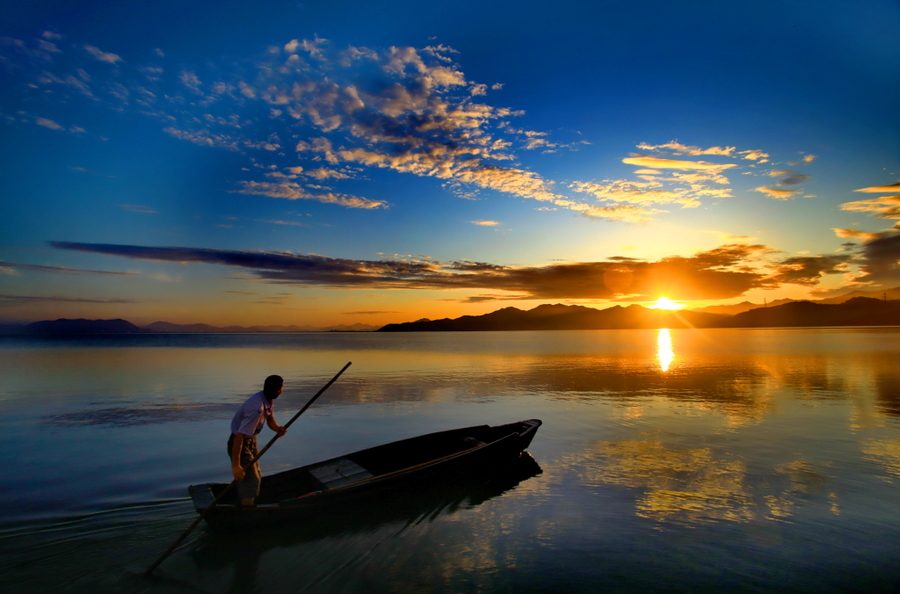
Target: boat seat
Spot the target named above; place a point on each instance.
(337, 473)
(472, 442)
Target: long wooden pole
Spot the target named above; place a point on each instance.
(228, 489)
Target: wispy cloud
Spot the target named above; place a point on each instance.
(486, 223)
(789, 177)
(40, 298)
(725, 272)
(888, 189)
(279, 222)
(61, 269)
(294, 191)
(408, 110)
(885, 207)
(101, 55)
(776, 193)
(660, 163)
(48, 124)
(138, 208)
(857, 234)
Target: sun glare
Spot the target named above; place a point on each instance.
(666, 303)
(664, 351)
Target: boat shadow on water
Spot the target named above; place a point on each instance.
(427, 500)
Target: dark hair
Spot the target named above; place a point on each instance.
(272, 385)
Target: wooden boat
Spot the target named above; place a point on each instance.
(399, 465)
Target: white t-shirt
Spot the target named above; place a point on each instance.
(251, 416)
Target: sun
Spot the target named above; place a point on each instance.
(666, 303)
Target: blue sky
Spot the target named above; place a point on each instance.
(318, 163)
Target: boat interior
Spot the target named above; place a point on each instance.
(374, 462)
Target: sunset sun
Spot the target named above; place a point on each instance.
(666, 303)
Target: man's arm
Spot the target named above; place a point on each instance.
(270, 421)
(236, 448)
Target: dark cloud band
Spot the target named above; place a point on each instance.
(716, 274)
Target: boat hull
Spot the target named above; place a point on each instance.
(400, 467)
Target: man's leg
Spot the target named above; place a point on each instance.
(248, 489)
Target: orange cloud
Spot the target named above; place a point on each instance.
(660, 163)
(890, 188)
(885, 207)
(776, 193)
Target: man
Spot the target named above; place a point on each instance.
(246, 424)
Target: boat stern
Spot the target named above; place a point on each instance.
(202, 496)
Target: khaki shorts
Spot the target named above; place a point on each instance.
(248, 488)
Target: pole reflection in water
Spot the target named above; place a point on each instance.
(664, 351)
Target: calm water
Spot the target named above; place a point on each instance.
(672, 461)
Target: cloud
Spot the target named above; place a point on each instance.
(724, 272)
(857, 234)
(659, 163)
(880, 261)
(685, 189)
(776, 193)
(808, 270)
(61, 270)
(277, 222)
(635, 192)
(190, 80)
(755, 156)
(36, 298)
(322, 173)
(888, 189)
(680, 149)
(789, 177)
(101, 55)
(293, 191)
(409, 110)
(885, 207)
(486, 223)
(138, 208)
(48, 124)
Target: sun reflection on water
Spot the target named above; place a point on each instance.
(664, 351)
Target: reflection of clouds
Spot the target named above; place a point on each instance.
(682, 486)
(693, 486)
(886, 453)
(805, 480)
(141, 414)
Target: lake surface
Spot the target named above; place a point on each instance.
(670, 461)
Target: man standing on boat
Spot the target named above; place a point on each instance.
(246, 424)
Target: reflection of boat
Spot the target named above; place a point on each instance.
(395, 466)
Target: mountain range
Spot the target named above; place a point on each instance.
(860, 308)
(858, 311)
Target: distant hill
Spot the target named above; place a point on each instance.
(64, 326)
(566, 317)
(81, 326)
(858, 311)
(890, 294)
(169, 328)
(731, 310)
